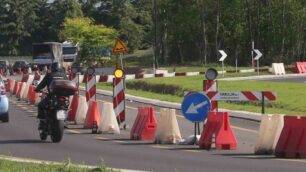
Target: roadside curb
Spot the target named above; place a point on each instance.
(28, 160)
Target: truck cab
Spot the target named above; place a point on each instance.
(70, 52)
(44, 54)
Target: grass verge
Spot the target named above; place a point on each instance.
(15, 165)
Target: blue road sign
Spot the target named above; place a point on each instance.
(195, 107)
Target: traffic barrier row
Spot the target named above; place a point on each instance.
(283, 136)
(300, 67)
(278, 69)
(218, 126)
(89, 115)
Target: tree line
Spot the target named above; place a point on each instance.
(179, 31)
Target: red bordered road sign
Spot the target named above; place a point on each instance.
(119, 47)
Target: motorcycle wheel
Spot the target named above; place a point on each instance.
(57, 131)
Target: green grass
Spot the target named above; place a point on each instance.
(290, 96)
(13, 166)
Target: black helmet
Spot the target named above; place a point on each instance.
(55, 67)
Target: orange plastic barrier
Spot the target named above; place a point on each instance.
(73, 107)
(92, 120)
(9, 85)
(218, 125)
(300, 67)
(32, 95)
(145, 124)
(292, 141)
(18, 93)
(16, 87)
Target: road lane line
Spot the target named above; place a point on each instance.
(161, 147)
(245, 129)
(292, 160)
(102, 138)
(73, 131)
(193, 151)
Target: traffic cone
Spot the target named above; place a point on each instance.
(73, 107)
(92, 120)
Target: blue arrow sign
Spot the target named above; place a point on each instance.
(195, 107)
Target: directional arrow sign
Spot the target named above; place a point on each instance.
(195, 107)
(224, 55)
(259, 54)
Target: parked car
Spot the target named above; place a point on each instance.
(4, 105)
(20, 66)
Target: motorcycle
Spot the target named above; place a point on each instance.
(56, 110)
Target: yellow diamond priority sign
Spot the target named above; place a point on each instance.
(119, 47)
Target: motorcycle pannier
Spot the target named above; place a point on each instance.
(63, 87)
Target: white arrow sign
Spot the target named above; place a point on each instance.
(224, 55)
(194, 109)
(259, 54)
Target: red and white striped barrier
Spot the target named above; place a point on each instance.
(241, 96)
(119, 99)
(211, 86)
(90, 87)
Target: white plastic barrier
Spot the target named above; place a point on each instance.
(81, 111)
(128, 77)
(278, 69)
(269, 131)
(192, 73)
(246, 70)
(30, 79)
(108, 120)
(168, 131)
(149, 75)
(169, 74)
(24, 95)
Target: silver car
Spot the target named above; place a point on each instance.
(4, 104)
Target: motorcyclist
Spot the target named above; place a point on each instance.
(56, 73)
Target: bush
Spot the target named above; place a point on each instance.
(156, 88)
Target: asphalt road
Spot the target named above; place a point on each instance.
(20, 138)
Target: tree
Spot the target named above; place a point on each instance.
(17, 21)
(92, 38)
(59, 10)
